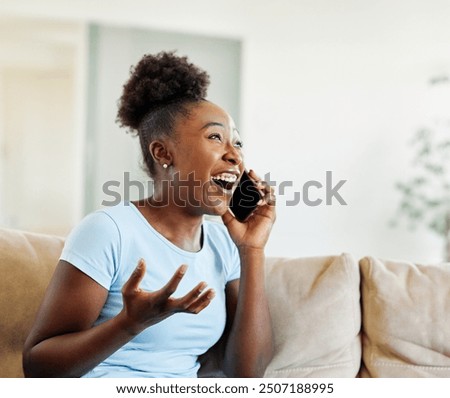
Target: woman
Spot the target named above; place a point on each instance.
(195, 281)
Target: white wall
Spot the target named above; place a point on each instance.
(326, 85)
(40, 161)
(39, 164)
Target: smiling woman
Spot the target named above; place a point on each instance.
(103, 316)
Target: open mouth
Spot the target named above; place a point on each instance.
(225, 180)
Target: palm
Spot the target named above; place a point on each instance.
(254, 232)
(143, 308)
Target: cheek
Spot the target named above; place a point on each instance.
(197, 158)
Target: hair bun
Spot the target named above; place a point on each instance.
(157, 80)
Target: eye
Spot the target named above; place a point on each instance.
(215, 136)
(238, 144)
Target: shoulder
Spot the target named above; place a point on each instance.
(95, 245)
(118, 216)
(117, 213)
(104, 224)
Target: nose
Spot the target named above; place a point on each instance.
(233, 155)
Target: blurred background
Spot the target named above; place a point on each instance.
(313, 85)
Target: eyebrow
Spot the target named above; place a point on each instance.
(212, 124)
(217, 124)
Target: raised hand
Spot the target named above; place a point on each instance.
(255, 231)
(143, 309)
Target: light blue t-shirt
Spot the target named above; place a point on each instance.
(107, 246)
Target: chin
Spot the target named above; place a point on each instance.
(217, 209)
(216, 201)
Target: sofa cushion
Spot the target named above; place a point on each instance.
(314, 304)
(27, 263)
(406, 318)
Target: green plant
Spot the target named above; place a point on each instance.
(425, 197)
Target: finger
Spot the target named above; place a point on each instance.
(227, 217)
(202, 302)
(270, 198)
(262, 189)
(184, 302)
(269, 201)
(261, 185)
(255, 177)
(172, 285)
(135, 279)
(193, 294)
(267, 194)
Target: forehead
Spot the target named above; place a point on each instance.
(207, 113)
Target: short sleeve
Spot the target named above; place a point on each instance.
(235, 269)
(93, 247)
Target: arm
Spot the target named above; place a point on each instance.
(249, 347)
(63, 342)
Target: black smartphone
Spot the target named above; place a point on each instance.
(245, 198)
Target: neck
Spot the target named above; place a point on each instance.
(174, 223)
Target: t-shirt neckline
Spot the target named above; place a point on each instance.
(166, 241)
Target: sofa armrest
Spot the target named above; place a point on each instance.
(26, 266)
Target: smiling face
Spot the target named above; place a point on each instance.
(206, 159)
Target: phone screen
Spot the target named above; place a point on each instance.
(245, 198)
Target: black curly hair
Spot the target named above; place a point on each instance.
(160, 88)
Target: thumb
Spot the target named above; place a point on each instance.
(227, 217)
(133, 282)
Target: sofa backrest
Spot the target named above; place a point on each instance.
(406, 318)
(315, 309)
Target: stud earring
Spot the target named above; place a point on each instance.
(164, 166)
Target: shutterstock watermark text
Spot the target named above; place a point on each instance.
(310, 193)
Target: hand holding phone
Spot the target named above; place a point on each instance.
(251, 214)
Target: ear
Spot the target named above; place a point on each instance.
(160, 153)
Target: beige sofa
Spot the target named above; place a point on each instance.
(333, 316)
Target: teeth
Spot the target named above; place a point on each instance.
(225, 177)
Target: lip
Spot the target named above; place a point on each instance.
(223, 189)
(234, 172)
